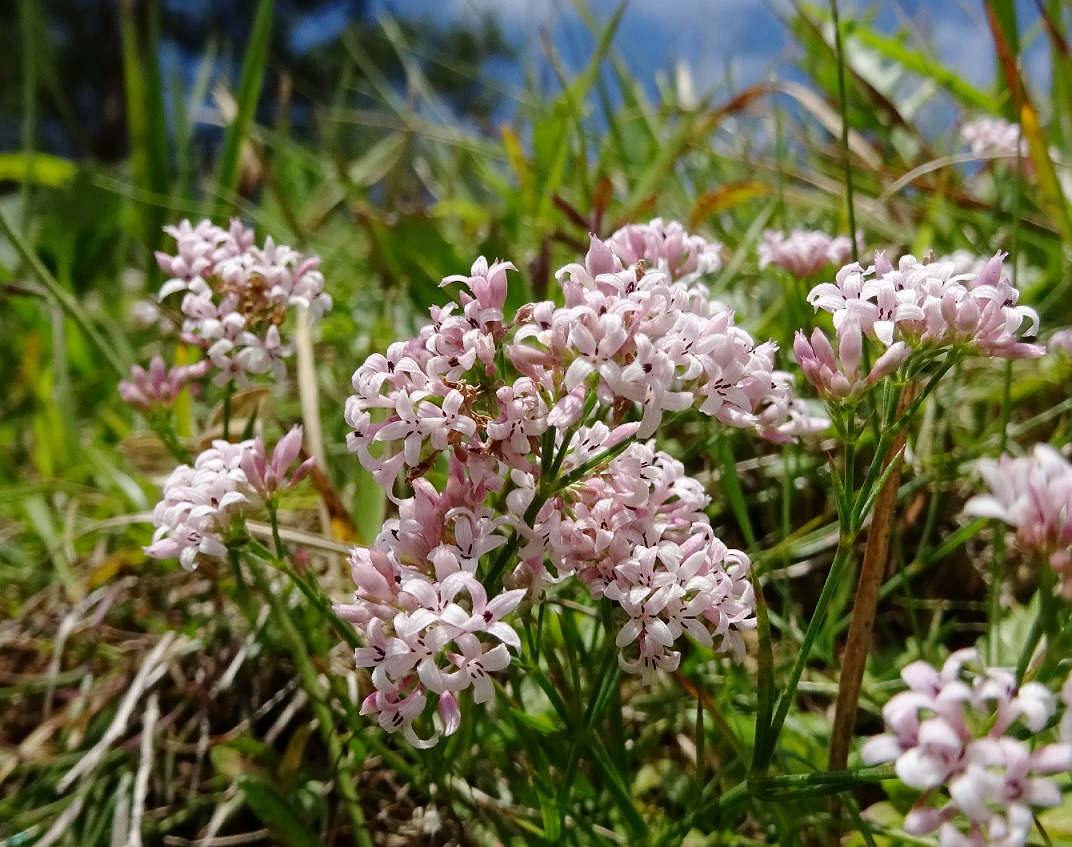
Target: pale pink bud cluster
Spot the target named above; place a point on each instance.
(804, 253)
(502, 404)
(666, 247)
(265, 478)
(957, 736)
(838, 378)
(199, 504)
(237, 296)
(1032, 494)
(158, 386)
(994, 136)
(929, 307)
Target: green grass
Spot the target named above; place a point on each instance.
(257, 729)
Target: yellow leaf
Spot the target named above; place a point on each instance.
(725, 197)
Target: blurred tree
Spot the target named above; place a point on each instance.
(76, 51)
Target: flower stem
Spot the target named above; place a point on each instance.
(228, 392)
(998, 559)
(170, 440)
(761, 761)
(872, 569)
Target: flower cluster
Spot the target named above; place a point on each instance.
(988, 137)
(237, 296)
(838, 378)
(425, 615)
(634, 531)
(532, 414)
(158, 386)
(666, 247)
(804, 253)
(956, 736)
(917, 307)
(199, 504)
(1032, 494)
(1061, 340)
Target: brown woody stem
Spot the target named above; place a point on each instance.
(872, 570)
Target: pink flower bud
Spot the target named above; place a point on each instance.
(895, 356)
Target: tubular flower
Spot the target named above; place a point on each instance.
(840, 379)
(994, 136)
(955, 735)
(158, 386)
(666, 247)
(929, 307)
(199, 504)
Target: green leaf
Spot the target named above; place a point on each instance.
(765, 689)
(731, 487)
(276, 813)
(619, 790)
(39, 168)
(249, 93)
(919, 62)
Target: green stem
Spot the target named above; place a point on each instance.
(313, 593)
(171, 441)
(548, 488)
(228, 393)
(1030, 644)
(273, 518)
(997, 561)
(837, 570)
(346, 779)
(817, 784)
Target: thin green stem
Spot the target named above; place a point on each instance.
(162, 428)
(997, 561)
(817, 784)
(789, 689)
(273, 517)
(312, 591)
(1033, 636)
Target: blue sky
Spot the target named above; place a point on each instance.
(740, 41)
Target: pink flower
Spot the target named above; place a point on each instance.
(198, 504)
(499, 405)
(993, 136)
(842, 381)
(158, 387)
(804, 253)
(666, 247)
(1032, 494)
(947, 735)
(266, 478)
(237, 296)
(1061, 340)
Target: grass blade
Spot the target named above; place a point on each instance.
(249, 93)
